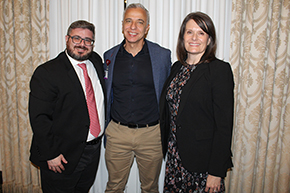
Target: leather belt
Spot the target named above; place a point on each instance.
(136, 126)
(94, 141)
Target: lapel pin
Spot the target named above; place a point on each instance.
(107, 68)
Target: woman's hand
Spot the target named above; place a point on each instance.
(213, 184)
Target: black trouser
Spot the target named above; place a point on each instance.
(80, 181)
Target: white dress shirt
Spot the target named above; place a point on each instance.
(98, 91)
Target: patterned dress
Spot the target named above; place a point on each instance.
(177, 178)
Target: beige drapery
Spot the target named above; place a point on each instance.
(24, 45)
(260, 58)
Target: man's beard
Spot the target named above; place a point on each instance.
(78, 57)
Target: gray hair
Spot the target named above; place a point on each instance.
(137, 5)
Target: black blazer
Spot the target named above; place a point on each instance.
(205, 118)
(58, 111)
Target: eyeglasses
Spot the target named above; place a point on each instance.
(78, 40)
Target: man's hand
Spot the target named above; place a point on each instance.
(213, 184)
(56, 164)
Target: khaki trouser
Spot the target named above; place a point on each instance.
(123, 144)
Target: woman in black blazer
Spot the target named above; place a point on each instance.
(196, 109)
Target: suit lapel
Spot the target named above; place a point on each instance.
(71, 73)
(99, 69)
(195, 76)
(74, 79)
(112, 58)
(155, 67)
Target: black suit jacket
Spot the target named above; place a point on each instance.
(205, 118)
(58, 111)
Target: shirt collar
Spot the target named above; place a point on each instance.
(144, 49)
(74, 62)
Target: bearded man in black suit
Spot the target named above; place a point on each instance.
(63, 145)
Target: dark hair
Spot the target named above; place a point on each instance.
(206, 24)
(82, 24)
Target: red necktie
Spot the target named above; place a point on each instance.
(91, 103)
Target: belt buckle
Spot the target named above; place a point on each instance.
(132, 125)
